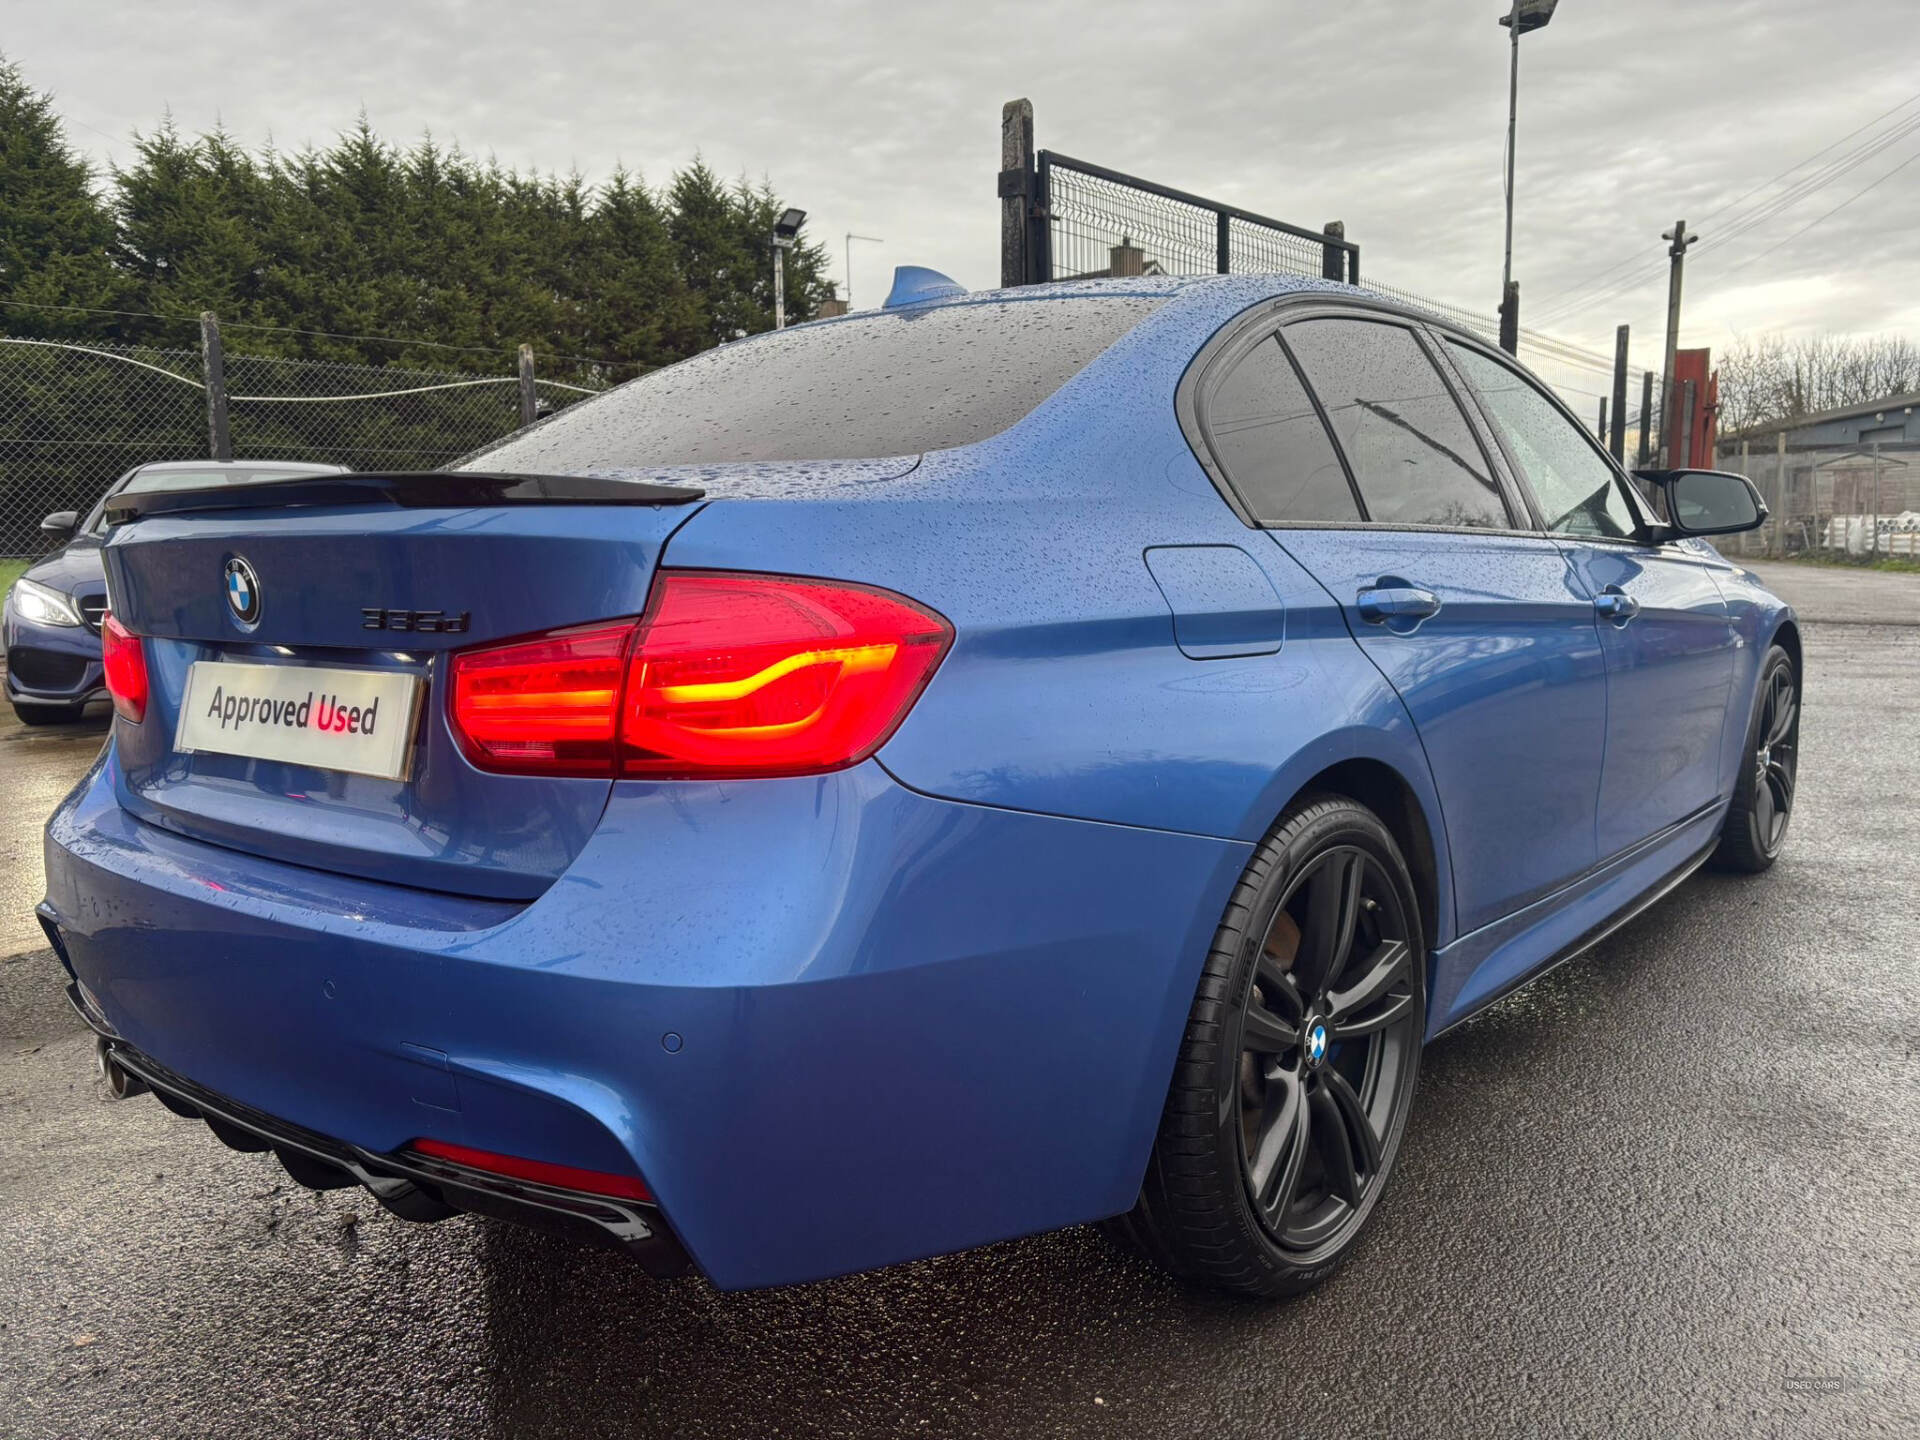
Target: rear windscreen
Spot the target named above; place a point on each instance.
(890, 383)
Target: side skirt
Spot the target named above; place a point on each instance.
(1497, 959)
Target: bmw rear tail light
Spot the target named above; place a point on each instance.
(125, 657)
(547, 706)
(726, 675)
(762, 675)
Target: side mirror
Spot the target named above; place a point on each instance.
(1707, 502)
(60, 525)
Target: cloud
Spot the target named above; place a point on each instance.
(883, 119)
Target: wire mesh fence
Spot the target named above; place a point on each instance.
(73, 417)
(1102, 223)
(1862, 500)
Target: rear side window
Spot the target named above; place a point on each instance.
(890, 383)
(1271, 445)
(1576, 487)
(1412, 455)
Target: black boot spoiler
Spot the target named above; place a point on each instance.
(417, 489)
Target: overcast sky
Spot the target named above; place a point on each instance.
(884, 119)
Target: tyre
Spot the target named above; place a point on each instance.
(1756, 823)
(49, 714)
(1297, 1069)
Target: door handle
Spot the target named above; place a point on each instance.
(1383, 604)
(1616, 605)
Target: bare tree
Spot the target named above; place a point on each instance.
(1769, 377)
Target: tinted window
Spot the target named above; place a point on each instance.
(1575, 484)
(1414, 458)
(1270, 443)
(890, 383)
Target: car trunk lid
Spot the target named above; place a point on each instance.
(389, 575)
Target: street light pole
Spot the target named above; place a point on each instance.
(851, 237)
(785, 229)
(1513, 126)
(1525, 16)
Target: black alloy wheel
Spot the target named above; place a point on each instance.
(1291, 1092)
(1327, 1037)
(1757, 819)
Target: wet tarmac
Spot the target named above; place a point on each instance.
(1668, 1190)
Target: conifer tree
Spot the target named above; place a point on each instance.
(54, 231)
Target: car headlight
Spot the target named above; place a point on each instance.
(42, 604)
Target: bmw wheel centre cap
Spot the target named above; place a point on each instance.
(243, 591)
(1317, 1043)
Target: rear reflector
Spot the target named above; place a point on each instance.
(539, 1172)
(726, 675)
(125, 659)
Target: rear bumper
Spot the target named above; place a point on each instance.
(835, 1024)
(410, 1185)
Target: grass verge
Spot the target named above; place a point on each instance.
(1892, 564)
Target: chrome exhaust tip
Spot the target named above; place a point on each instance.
(120, 1084)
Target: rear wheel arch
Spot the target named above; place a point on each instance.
(1787, 637)
(1383, 790)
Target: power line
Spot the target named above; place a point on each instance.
(1822, 219)
(1738, 199)
(1852, 160)
(1767, 210)
(1551, 301)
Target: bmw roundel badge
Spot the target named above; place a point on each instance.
(243, 591)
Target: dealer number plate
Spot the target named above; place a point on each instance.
(360, 721)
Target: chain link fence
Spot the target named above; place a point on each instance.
(1861, 501)
(74, 417)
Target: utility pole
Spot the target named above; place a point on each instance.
(1645, 451)
(1616, 441)
(851, 237)
(1677, 256)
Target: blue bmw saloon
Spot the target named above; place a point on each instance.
(998, 762)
